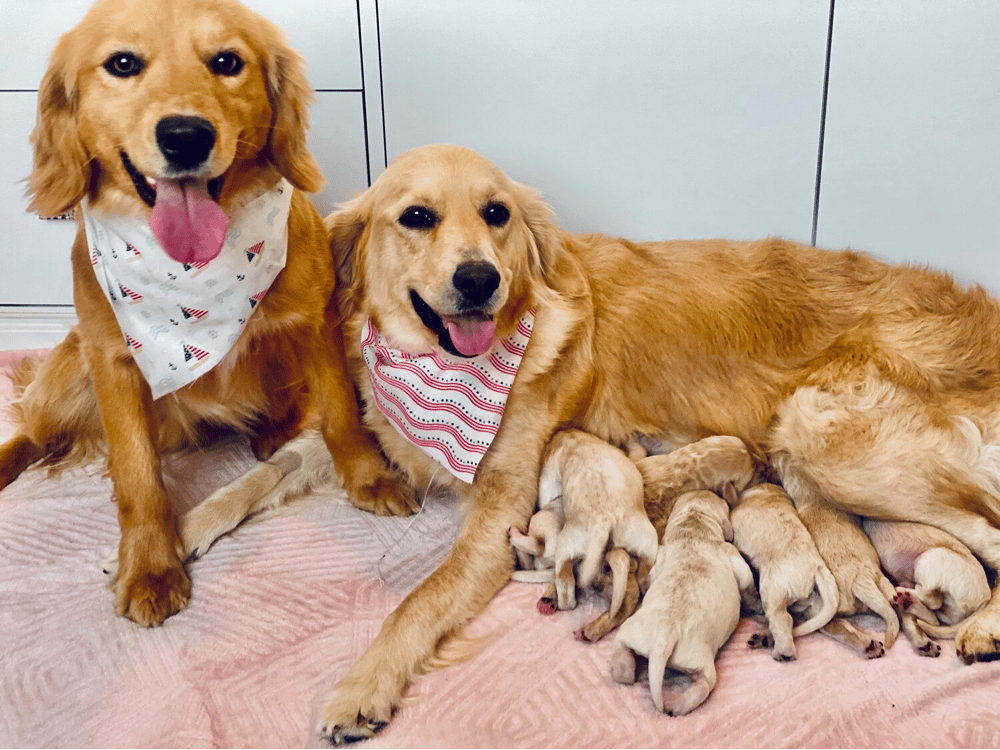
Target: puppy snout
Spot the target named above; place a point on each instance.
(185, 141)
(476, 280)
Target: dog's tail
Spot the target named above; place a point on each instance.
(946, 631)
(593, 557)
(877, 597)
(659, 655)
(826, 585)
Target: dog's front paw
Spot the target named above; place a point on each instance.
(356, 710)
(386, 496)
(978, 639)
(149, 595)
(760, 640)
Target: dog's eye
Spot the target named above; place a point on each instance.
(418, 217)
(226, 64)
(124, 65)
(496, 214)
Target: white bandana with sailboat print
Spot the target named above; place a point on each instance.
(179, 320)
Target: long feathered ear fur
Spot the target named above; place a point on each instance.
(549, 265)
(290, 95)
(347, 229)
(62, 167)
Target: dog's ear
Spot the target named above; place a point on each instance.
(290, 95)
(62, 168)
(347, 230)
(549, 264)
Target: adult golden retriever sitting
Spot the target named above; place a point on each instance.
(871, 386)
(175, 117)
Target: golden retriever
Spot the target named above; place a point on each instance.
(872, 387)
(148, 105)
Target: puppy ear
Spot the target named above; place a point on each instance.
(290, 95)
(346, 229)
(61, 170)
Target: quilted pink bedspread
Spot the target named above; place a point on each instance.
(284, 605)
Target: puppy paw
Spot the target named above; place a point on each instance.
(783, 655)
(760, 640)
(547, 606)
(903, 600)
(930, 648)
(979, 637)
(386, 496)
(874, 650)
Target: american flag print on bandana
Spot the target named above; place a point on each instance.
(179, 320)
(449, 407)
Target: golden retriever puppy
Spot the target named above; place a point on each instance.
(602, 503)
(590, 496)
(791, 574)
(873, 388)
(692, 606)
(862, 587)
(712, 463)
(938, 581)
(201, 272)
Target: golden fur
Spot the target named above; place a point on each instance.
(86, 119)
(872, 387)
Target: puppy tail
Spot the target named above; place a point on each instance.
(597, 543)
(826, 585)
(940, 631)
(619, 562)
(659, 655)
(877, 597)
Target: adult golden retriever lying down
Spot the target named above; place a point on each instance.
(872, 387)
(173, 117)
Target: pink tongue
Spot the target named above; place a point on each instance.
(470, 337)
(186, 222)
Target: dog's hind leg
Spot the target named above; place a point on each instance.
(863, 644)
(920, 641)
(624, 597)
(686, 701)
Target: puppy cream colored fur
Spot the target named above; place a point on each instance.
(860, 582)
(938, 581)
(692, 606)
(791, 573)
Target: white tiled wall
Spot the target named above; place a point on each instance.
(650, 119)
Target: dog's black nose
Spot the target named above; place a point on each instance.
(185, 141)
(476, 280)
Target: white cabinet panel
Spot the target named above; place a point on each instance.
(326, 33)
(646, 118)
(35, 257)
(912, 159)
(337, 142)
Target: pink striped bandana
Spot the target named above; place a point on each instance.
(449, 407)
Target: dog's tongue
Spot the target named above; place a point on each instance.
(470, 336)
(187, 223)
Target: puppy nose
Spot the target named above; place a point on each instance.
(185, 141)
(476, 280)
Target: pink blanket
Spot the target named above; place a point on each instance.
(284, 605)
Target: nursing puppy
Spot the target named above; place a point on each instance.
(712, 463)
(692, 606)
(602, 504)
(170, 119)
(938, 581)
(791, 574)
(855, 565)
(873, 388)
